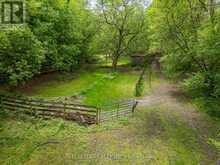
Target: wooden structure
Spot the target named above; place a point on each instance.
(137, 59)
(153, 59)
(46, 109)
(83, 114)
(118, 110)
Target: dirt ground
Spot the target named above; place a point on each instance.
(172, 122)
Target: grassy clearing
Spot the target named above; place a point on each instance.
(33, 141)
(153, 136)
(97, 87)
(111, 87)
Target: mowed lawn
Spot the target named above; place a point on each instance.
(95, 87)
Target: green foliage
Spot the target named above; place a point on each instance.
(195, 85)
(139, 87)
(198, 85)
(21, 55)
(209, 105)
(65, 29)
(189, 37)
(71, 33)
(215, 142)
(124, 28)
(58, 36)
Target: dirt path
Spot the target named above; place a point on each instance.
(166, 129)
(168, 95)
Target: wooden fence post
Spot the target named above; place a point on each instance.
(134, 105)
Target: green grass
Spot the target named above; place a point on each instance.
(156, 136)
(111, 87)
(97, 87)
(60, 85)
(26, 139)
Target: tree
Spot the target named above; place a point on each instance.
(189, 37)
(21, 55)
(123, 21)
(65, 28)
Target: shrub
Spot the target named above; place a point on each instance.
(203, 84)
(139, 88)
(195, 84)
(21, 55)
(217, 86)
(208, 105)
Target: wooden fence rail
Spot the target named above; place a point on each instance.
(81, 113)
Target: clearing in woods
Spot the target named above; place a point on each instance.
(166, 129)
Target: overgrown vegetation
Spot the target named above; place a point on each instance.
(21, 56)
(188, 33)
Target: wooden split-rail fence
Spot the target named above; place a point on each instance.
(84, 114)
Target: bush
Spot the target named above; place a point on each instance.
(210, 106)
(206, 98)
(217, 86)
(139, 88)
(195, 85)
(203, 84)
(65, 30)
(21, 55)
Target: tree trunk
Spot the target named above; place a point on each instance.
(115, 62)
(118, 49)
